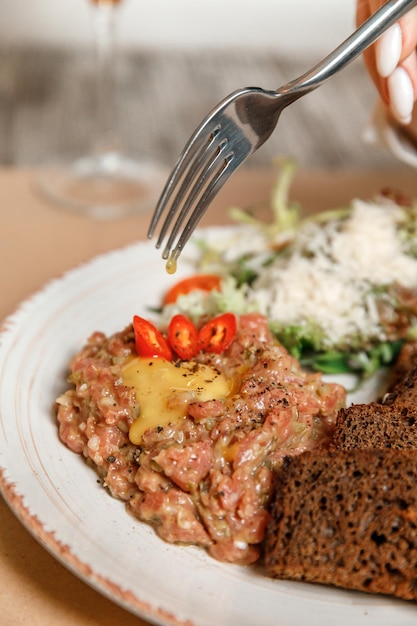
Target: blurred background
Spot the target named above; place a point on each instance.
(278, 25)
(175, 61)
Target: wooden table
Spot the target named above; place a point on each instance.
(48, 105)
(38, 242)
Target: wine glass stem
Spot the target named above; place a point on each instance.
(104, 33)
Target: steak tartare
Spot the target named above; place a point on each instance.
(205, 477)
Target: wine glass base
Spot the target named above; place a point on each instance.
(104, 187)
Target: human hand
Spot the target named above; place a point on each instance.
(392, 61)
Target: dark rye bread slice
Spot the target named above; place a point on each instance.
(347, 518)
(376, 426)
(404, 363)
(405, 391)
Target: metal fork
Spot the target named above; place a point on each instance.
(238, 126)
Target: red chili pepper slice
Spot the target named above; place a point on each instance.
(204, 282)
(217, 334)
(183, 337)
(149, 341)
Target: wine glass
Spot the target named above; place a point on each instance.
(105, 183)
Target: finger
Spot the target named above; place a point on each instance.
(410, 66)
(408, 24)
(364, 10)
(396, 60)
(401, 95)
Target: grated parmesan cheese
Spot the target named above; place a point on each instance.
(329, 279)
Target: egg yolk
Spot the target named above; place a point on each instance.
(164, 390)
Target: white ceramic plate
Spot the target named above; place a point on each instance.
(57, 496)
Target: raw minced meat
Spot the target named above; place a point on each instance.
(205, 479)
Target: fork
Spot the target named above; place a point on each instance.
(237, 127)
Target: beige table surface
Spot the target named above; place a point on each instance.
(39, 242)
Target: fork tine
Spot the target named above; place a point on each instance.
(207, 127)
(176, 174)
(195, 163)
(179, 170)
(200, 175)
(216, 183)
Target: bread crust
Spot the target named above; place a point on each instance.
(405, 362)
(404, 392)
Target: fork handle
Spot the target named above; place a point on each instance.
(347, 51)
